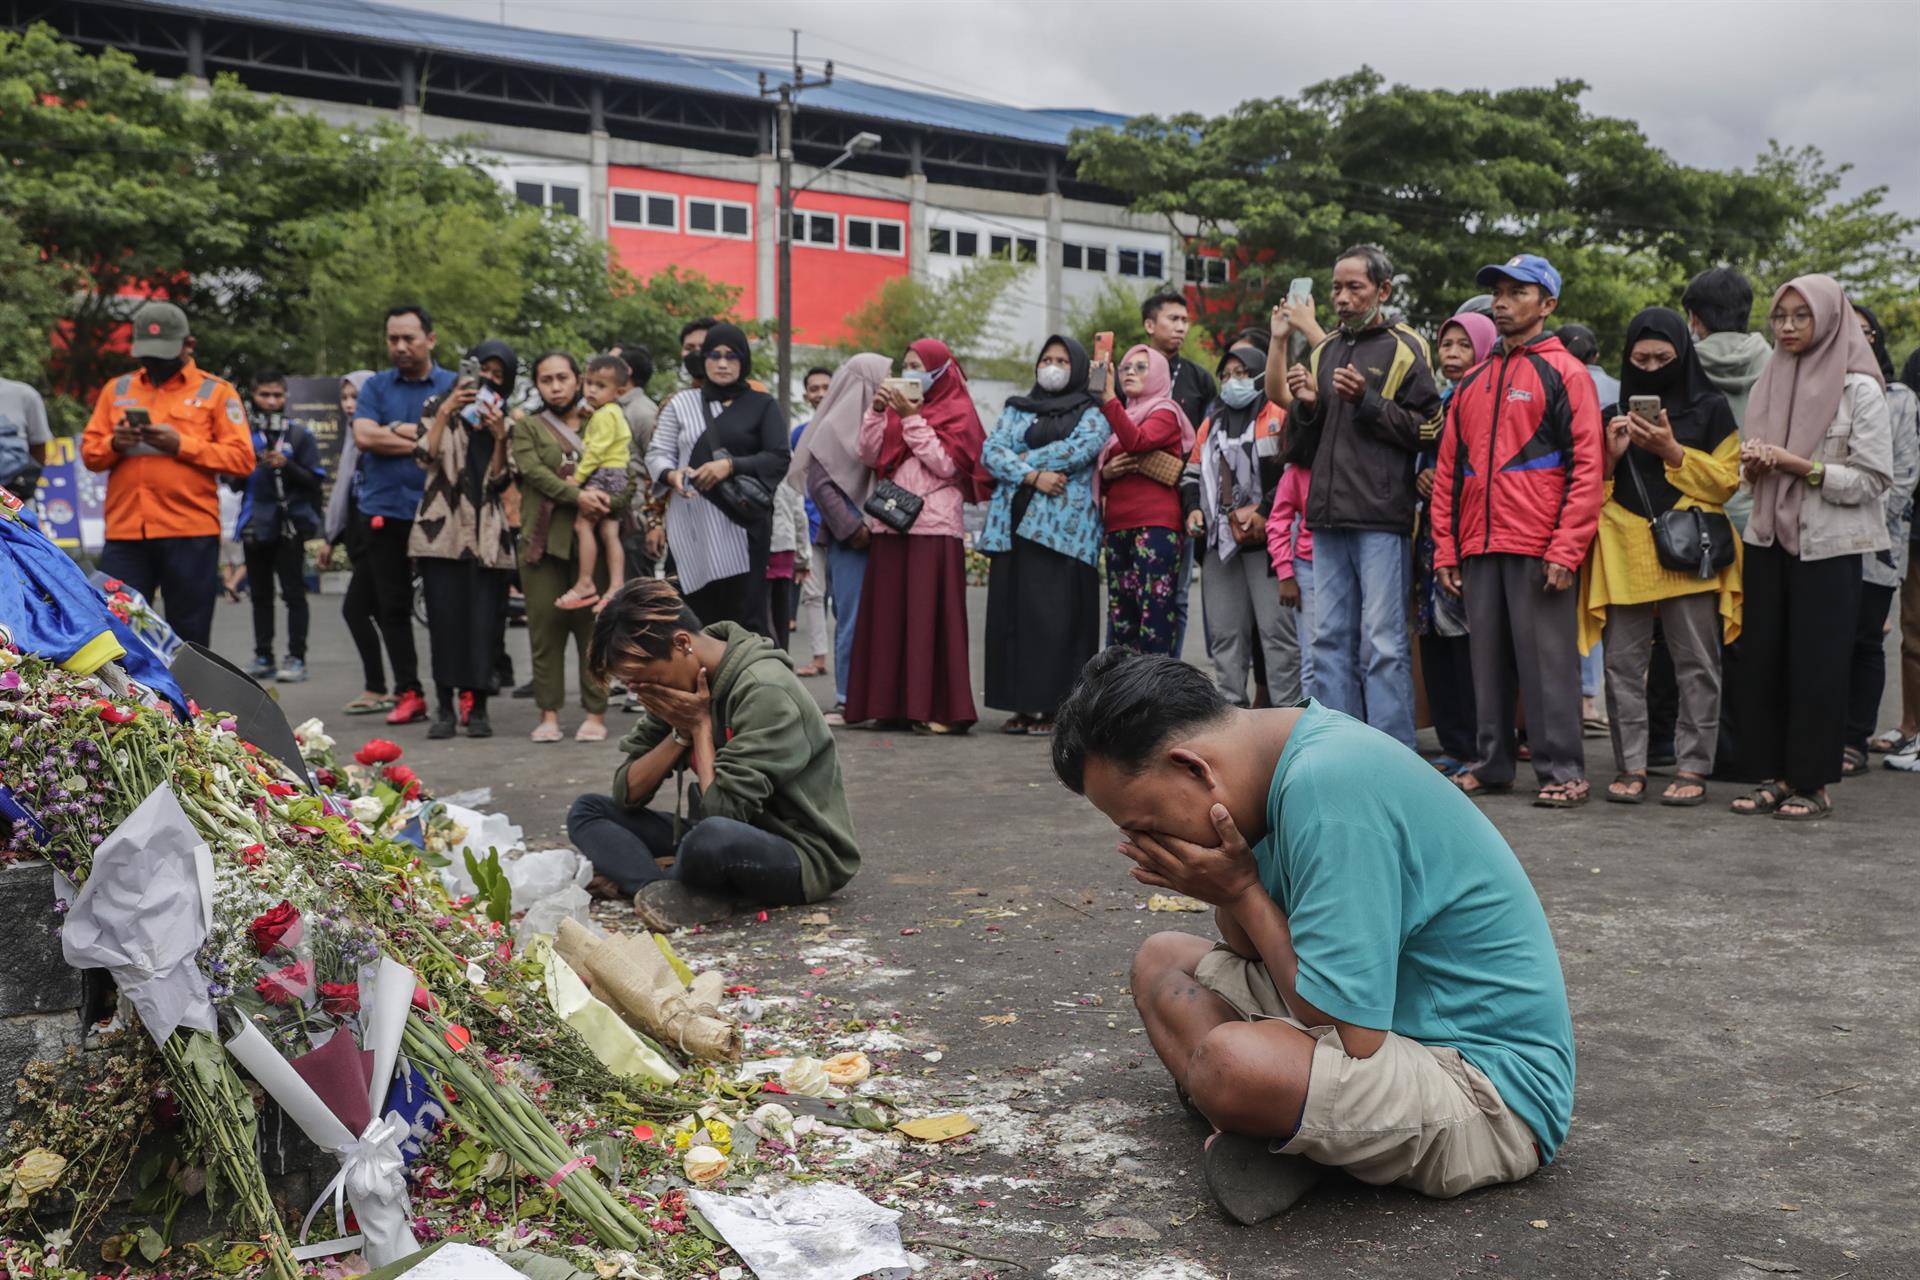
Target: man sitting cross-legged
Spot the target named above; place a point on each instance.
(1386, 998)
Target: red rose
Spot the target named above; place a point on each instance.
(326, 777)
(282, 789)
(113, 584)
(286, 985)
(403, 779)
(378, 751)
(278, 927)
(423, 999)
(340, 998)
(253, 855)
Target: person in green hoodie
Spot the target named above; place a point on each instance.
(1719, 306)
(760, 817)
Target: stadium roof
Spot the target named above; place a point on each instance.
(614, 60)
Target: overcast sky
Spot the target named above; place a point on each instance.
(1709, 80)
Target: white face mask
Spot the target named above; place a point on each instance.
(1238, 392)
(1052, 377)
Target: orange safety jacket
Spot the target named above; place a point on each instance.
(161, 496)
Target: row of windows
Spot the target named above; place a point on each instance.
(733, 220)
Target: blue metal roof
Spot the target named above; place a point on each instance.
(612, 60)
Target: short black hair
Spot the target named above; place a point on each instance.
(411, 309)
(699, 325)
(1126, 705)
(639, 360)
(822, 370)
(1722, 298)
(1379, 265)
(1579, 342)
(638, 621)
(270, 376)
(1156, 302)
(619, 368)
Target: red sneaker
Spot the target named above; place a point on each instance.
(466, 705)
(411, 707)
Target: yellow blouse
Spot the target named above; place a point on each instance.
(1623, 568)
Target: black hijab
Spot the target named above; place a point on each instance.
(1699, 414)
(729, 337)
(1057, 413)
(1878, 341)
(1226, 418)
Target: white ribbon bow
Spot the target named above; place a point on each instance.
(372, 1172)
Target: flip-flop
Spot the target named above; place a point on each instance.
(590, 732)
(1628, 797)
(578, 601)
(368, 706)
(1479, 788)
(1252, 1183)
(1684, 802)
(544, 732)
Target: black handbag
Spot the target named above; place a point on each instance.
(1688, 541)
(894, 506)
(745, 500)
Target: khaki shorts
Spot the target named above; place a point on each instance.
(1414, 1115)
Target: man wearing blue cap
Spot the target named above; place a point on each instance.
(1516, 499)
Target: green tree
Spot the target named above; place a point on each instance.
(33, 297)
(1115, 309)
(1447, 182)
(957, 310)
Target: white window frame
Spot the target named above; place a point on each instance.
(846, 237)
(800, 217)
(546, 186)
(673, 203)
(719, 219)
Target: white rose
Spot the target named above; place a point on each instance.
(806, 1077)
(366, 809)
(771, 1120)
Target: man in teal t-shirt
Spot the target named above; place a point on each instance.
(1386, 997)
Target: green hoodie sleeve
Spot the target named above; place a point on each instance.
(768, 748)
(647, 734)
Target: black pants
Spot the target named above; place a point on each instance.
(1867, 675)
(1794, 669)
(380, 595)
(781, 599)
(284, 559)
(184, 572)
(716, 855)
(741, 598)
(1446, 667)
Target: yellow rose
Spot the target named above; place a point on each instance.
(31, 1174)
(848, 1069)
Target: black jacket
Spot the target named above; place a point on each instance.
(286, 502)
(1363, 455)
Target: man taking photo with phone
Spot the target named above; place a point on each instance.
(164, 433)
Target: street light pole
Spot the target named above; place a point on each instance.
(789, 97)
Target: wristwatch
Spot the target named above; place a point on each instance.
(1817, 474)
(685, 742)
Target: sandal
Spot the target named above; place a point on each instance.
(1565, 795)
(1015, 725)
(545, 731)
(1039, 728)
(367, 704)
(809, 671)
(1763, 799)
(1673, 801)
(574, 600)
(590, 732)
(1471, 785)
(1638, 794)
(1887, 741)
(1814, 806)
(1853, 762)
(1594, 727)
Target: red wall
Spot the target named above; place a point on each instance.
(828, 284)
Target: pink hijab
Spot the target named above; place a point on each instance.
(1155, 396)
(1797, 397)
(1479, 330)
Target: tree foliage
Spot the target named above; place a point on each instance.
(957, 310)
(282, 235)
(1449, 181)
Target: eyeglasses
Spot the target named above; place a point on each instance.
(1798, 319)
(722, 357)
(1137, 366)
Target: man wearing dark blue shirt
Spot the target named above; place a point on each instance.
(387, 488)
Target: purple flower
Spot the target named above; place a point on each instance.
(9, 679)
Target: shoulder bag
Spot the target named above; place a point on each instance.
(745, 500)
(1688, 540)
(894, 506)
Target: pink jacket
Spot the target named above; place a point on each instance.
(929, 472)
(1289, 504)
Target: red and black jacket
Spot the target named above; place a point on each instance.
(1521, 462)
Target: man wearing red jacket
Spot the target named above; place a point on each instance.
(1516, 498)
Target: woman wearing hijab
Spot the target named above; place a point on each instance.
(722, 432)
(910, 646)
(1043, 532)
(1819, 457)
(546, 448)
(1226, 492)
(356, 607)
(827, 464)
(460, 539)
(1883, 572)
(1440, 617)
(1688, 459)
(1141, 512)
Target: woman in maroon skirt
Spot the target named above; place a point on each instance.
(910, 645)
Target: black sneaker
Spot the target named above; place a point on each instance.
(666, 905)
(1251, 1182)
(478, 726)
(445, 725)
(524, 691)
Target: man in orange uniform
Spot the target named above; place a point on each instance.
(163, 501)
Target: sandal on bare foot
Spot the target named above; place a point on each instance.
(545, 731)
(1763, 799)
(1563, 795)
(590, 731)
(1251, 1182)
(1627, 788)
(577, 599)
(1804, 806)
(1692, 784)
(1470, 783)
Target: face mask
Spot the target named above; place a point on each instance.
(922, 377)
(1665, 378)
(1238, 393)
(1354, 324)
(695, 364)
(160, 371)
(1052, 377)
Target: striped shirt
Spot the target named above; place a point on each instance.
(706, 545)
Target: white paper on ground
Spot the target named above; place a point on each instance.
(549, 885)
(813, 1231)
(461, 1262)
(143, 913)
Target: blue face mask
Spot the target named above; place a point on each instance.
(1238, 393)
(922, 377)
